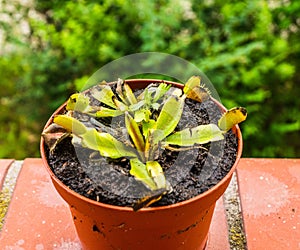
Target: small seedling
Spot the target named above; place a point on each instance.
(150, 120)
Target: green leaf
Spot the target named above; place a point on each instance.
(142, 115)
(199, 135)
(147, 126)
(136, 106)
(141, 97)
(105, 95)
(231, 118)
(160, 91)
(155, 106)
(156, 172)
(71, 124)
(168, 118)
(148, 95)
(139, 171)
(107, 145)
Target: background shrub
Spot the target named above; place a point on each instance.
(248, 49)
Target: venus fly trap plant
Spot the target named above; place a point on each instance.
(150, 120)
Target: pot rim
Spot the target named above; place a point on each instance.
(211, 190)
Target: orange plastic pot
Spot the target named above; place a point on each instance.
(184, 225)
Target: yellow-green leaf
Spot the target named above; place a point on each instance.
(119, 91)
(135, 133)
(232, 117)
(135, 107)
(105, 95)
(160, 91)
(120, 105)
(106, 112)
(89, 139)
(107, 145)
(79, 102)
(194, 90)
(71, 124)
(168, 118)
(147, 126)
(139, 171)
(130, 97)
(142, 115)
(72, 101)
(198, 135)
(194, 81)
(156, 172)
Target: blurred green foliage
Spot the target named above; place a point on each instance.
(248, 49)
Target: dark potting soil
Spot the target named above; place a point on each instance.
(189, 173)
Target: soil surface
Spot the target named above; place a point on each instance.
(189, 173)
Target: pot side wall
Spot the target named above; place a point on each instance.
(182, 226)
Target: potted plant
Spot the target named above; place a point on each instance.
(111, 152)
